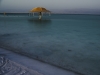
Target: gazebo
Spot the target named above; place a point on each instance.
(39, 10)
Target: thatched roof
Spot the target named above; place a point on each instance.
(39, 9)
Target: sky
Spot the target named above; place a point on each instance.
(63, 6)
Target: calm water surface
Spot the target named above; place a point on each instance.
(69, 41)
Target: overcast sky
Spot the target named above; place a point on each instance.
(52, 5)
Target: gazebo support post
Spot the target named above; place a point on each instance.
(33, 14)
(40, 15)
(39, 10)
(29, 13)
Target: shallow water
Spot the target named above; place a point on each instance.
(68, 41)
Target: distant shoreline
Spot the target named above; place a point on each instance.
(1, 13)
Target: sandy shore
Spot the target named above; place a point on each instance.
(15, 64)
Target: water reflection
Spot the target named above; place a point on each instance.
(40, 23)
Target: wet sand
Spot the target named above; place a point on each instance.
(15, 64)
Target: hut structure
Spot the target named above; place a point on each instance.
(39, 10)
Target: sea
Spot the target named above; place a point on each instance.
(68, 41)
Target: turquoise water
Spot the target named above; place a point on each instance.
(68, 41)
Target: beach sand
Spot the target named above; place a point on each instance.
(15, 64)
